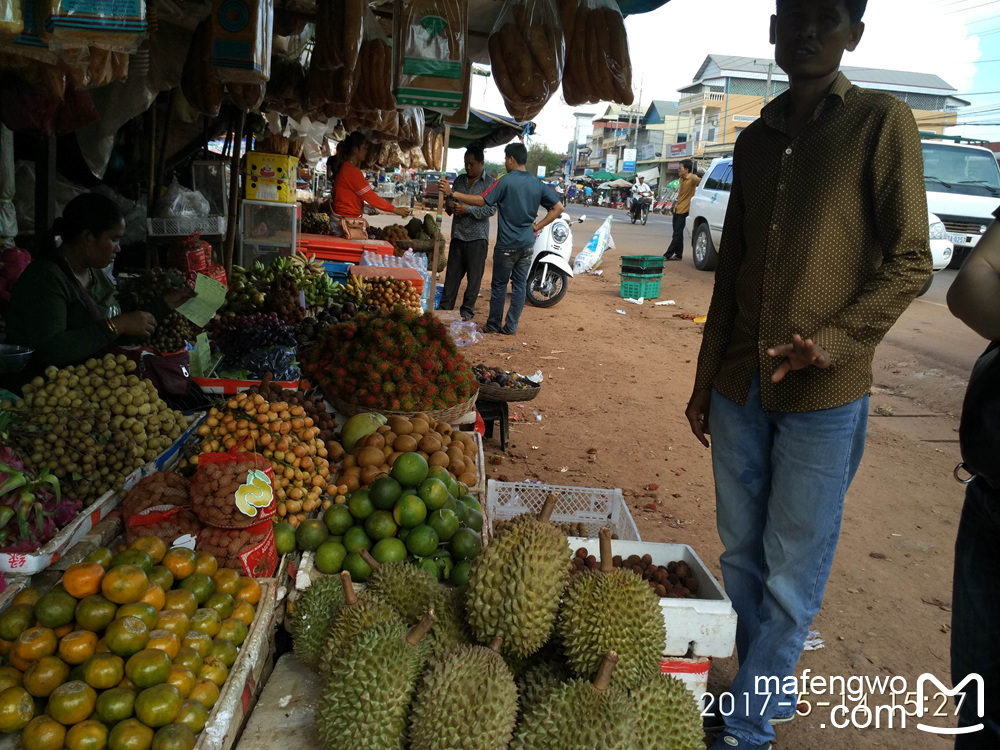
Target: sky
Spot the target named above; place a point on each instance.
(959, 40)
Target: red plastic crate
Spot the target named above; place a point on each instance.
(337, 248)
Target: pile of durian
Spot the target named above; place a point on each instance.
(521, 658)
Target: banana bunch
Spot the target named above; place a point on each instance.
(355, 289)
(308, 263)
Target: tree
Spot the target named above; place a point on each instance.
(492, 168)
(540, 155)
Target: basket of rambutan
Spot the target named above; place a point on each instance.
(398, 363)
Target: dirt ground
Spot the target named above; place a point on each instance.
(619, 384)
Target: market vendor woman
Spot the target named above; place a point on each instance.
(350, 188)
(64, 305)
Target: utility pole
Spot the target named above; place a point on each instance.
(767, 90)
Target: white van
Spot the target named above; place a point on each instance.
(963, 189)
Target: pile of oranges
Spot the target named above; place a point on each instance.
(128, 652)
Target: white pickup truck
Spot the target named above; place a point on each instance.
(708, 214)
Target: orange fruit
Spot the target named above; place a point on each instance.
(127, 636)
(130, 734)
(72, 702)
(226, 581)
(214, 669)
(148, 667)
(224, 604)
(244, 612)
(45, 675)
(65, 630)
(33, 644)
(162, 576)
(43, 733)
(124, 584)
(225, 651)
(95, 613)
(102, 647)
(182, 600)
(16, 619)
(206, 563)
(17, 708)
(249, 591)
(199, 641)
(55, 609)
(193, 715)
(158, 706)
(83, 579)
(114, 705)
(135, 557)
(205, 692)
(181, 678)
(165, 641)
(188, 657)
(175, 621)
(234, 631)
(154, 596)
(28, 596)
(152, 546)
(103, 671)
(200, 585)
(102, 556)
(128, 685)
(9, 677)
(5, 647)
(180, 561)
(17, 662)
(87, 735)
(78, 646)
(174, 737)
(145, 612)
(207, 620)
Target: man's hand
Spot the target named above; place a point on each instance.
(697, 413)
(401, 211)
(798, 355)
(459, 208)
(445, 187)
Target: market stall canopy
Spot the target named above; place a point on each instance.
(625, 176)
(601, 176)
(651, 175)
(604, 186)
(488, 130)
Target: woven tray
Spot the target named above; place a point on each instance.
(458, 411)
(494, 392)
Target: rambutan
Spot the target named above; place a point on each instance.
(369, 401)
(395, 405)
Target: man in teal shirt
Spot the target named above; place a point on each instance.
(518, 196)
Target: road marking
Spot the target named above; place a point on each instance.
(928, 302)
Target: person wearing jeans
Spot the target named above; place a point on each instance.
(689, 180)
(802, 297)
(517, 195)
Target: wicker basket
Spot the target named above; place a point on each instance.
(458, 411)
(494, 392)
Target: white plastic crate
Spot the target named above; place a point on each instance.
(705, 626)
(186, 226)
(593, 508)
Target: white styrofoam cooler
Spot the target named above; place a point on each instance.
(695, 627)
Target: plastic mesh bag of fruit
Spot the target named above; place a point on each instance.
(251, 550)
(233, 490)
(158, 505)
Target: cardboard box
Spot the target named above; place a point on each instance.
(271, 177)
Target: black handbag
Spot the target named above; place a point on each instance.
(979, 430)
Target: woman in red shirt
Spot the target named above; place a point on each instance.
(350, 188)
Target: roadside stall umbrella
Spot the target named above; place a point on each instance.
(674, 184)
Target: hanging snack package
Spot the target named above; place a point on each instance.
(338, 34)
(241, 40)
(411, 127)
(11, 20)
(200, 82)
(251, 550)
(460, 117)
(116, 25)
(430, 56)
(595, 30)
(29, 43)
(526, 55)
(373, 73)
(233, 490)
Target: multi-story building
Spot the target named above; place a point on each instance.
(612, 131)
(728, 92)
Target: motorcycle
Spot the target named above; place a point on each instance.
(639, 210)
(550, 271)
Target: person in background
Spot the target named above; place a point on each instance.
(974, 297)
(350, 188)
(588, 193)
(470, 237)
(411, 190)
(64, 305)
(801, 300)
(517, 195)
(689, 180)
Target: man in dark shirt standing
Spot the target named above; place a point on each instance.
(518, 196)
(470, 237)
(825, 244)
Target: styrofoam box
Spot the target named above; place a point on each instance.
(692, 672)
(695, 627)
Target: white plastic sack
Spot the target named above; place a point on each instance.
(591, 255)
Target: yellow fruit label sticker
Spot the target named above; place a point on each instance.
(255, 493)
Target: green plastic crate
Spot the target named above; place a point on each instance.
(647, 287)
(643, 261)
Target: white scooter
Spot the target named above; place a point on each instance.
(550, 271)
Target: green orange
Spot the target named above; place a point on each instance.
(158, 706)
(103, 671)
(174, 737)
(194, 715)
(72, 702)
(124, 584)
(126, 636)
(199, 584)
(45, 675)
(55, 609)
(145, 612)
(130, 734)
(87, 735)
(95, 613)
(43, 733)
(115, 704)
(148, 667)
(16, 709)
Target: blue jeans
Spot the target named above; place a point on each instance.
(780, 481)
(975, 618)
(508, 265)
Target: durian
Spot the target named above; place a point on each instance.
(612, 609)
(366, 702)
(667, 716)
(515, 584)
(407, 588)
(358, 614)
(578, 715)
(312, 615)
(466, 699)
(450, 626)
(540, 679)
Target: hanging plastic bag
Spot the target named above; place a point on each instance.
(431, 53)
(117, 26)
(200, 82)
(179, 202)
(527, 52)
(598, 65)
(338, 34)
(411, 127)
(373, 72)
(11, 20)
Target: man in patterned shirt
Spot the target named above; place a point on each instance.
(825, 244)
(470, 237)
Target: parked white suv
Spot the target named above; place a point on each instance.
(708, 214)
